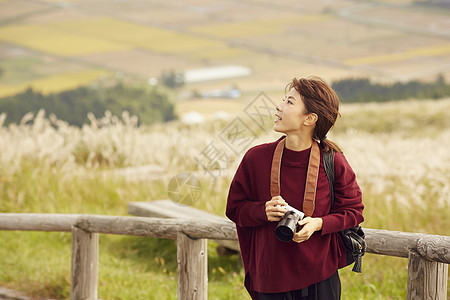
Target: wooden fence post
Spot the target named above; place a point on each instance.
(426, 279)
(192, 260)
(84, 267)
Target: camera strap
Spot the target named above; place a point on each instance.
(311, 177)
(276, 167)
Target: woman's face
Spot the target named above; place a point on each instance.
(290, 114)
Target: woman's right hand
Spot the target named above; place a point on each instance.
(274, 208)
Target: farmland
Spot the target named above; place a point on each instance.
(385, 40)
(56, 83)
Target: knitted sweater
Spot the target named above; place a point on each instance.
(272, 266)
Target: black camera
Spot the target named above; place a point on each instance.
(288, 224)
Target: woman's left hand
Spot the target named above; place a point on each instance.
(310, 225)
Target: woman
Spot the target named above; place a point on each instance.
(306, 267)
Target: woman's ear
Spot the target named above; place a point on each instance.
(311, 119)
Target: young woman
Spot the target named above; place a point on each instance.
(306, 267)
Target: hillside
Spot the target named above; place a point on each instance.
(55, 45)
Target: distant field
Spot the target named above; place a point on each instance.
(256, 27)
(55, 41)
(332, 39)
(437, 50)
(104, 35)
(210, 107)
(56, 83)
(126, 33)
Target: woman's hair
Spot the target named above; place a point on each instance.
(319, 98)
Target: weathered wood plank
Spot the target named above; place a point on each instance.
(399, 244)
(434, 247)
(169, 209)
(393, 243)
(442, 280)
(84, 266)
(426, 279)
(192, 258)
(37, 222)
(158, 227)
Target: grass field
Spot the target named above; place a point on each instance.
(402, 166)
(57, 83)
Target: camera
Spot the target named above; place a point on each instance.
(288, 224)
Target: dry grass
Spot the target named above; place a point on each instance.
(393, 144)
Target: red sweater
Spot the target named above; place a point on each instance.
(273, 266)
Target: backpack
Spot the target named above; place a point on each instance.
(353, 238)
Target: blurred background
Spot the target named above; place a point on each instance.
(208, 49)
(104, 102)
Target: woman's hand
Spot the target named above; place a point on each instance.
(274, 208)
(310, 225)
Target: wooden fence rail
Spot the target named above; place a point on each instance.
(428, 255)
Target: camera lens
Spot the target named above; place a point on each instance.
(287, 226)
(284, 233)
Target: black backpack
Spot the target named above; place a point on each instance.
(353, 238)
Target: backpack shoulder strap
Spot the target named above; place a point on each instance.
(328, 163)
(309, 199)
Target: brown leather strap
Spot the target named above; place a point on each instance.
(311, 177)
(309, 201)
(275, 171)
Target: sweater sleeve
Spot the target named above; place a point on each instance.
(242, 207)
(348, 207)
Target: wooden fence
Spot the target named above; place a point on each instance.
(428, 255)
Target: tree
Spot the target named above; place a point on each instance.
(150, 105)
(172, 79)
